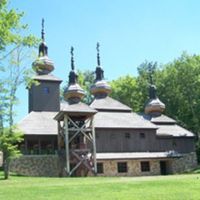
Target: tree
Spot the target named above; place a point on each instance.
(86, 80)
(125, 89)
(9, 140)
(179, 87)
(15, 49)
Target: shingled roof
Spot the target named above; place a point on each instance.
(173, 130)
(73, 109)
(114, 114)
(47, 77)
(167, 126)
(39, 123)
(109, 103)
(159, 119)
(129, 120)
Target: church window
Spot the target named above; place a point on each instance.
(122, 167)
(145, 166)
(46, 90)
(100, 168)
(127, 135)
(142, 135)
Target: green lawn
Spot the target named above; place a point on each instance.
(177, 187)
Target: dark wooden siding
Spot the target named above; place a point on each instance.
(41, 100)
(179, 144)
(110, 140)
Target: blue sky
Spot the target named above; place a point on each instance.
(129, 33)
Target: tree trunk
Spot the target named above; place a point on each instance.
(6, 168)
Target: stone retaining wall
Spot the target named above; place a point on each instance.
(52, 166)
(185, 163)
(36, 165)
(174, 165)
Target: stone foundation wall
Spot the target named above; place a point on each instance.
(52, 166)
(174, 165)
(185, 163)
(133, 167)
(1, 159)
(36, 165)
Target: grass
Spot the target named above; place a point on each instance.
(176, 187)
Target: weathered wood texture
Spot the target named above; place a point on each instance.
(123, 140)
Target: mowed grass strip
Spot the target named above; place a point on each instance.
(176, 187)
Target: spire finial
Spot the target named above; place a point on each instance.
(151, 71)
(42, 32)
(72, 75)
(98, 56)
(43, 49)
(152, 88)
(72, 58)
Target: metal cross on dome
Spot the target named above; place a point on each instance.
(42, 32)
(98, 56)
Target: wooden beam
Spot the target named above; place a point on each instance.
(58, 136)
(67, 144)
(94, 146)
(83, 159)
(76, 167)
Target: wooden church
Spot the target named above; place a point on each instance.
(105, 138)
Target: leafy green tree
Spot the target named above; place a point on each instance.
(9, 140)
(179, 87)
(125, 89)
(15, 49)
(86, 80)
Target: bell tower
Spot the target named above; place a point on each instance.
(76, 133)
(45, 94)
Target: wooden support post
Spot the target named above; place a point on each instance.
(94, 146)
(58, 136)
(67, 144)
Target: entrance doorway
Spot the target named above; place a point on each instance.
(163, 168)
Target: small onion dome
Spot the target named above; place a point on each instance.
(154, 105)
(101, 87)
(43, 65)
(74, 93)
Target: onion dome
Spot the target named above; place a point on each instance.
(43, 65)
(153, 106)
(100, 88)
(73, 93)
